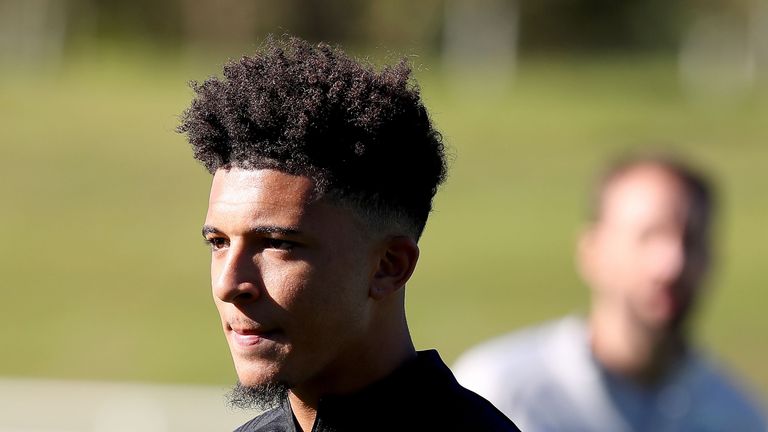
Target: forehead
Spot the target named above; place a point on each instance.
(238, 184)
(257, 191)
(642, 195)
(244, 200)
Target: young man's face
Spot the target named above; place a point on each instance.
(290, 276)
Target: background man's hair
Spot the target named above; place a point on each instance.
(363, 136)
(697, 185)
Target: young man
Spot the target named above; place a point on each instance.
(324, 173)
(629, 366)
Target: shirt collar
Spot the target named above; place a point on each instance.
(425, 370)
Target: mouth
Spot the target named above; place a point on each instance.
(249, 335)
(665, 304)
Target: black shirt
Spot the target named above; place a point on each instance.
(420, 395)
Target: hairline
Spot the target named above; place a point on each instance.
(381, 222)
(696, 186)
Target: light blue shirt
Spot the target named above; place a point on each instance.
(547, 380)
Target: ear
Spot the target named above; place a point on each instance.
(396, 264)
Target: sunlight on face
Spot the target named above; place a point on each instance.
(290, 275)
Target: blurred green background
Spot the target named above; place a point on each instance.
(105, 276)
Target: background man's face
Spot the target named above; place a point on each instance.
(644, 258)
(290, 276)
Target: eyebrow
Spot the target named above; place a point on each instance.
(261, 229)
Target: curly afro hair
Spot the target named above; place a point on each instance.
(363, 137)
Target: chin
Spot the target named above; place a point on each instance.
(663, 323)
(659, 313)
(249, 379)
(251, 372)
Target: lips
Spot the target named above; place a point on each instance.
(249, 335)
(246, 337)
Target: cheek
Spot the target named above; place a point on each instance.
(308, 293)
(322, 292)
(617, 267)
(330, 302)
(219, 307)
(287, 283)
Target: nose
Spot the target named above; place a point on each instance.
(235, 276)
(669, 260)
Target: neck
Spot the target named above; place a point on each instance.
(628, 349)
(378, 355)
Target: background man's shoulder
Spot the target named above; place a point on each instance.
(720, 394)
(514, 353)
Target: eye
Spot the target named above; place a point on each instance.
(217, 243)
(276, 243)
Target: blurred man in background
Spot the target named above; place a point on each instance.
(629, 366)
(324, 174)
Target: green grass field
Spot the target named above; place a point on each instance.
(104, 275)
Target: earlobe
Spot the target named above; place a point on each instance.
(395, 266)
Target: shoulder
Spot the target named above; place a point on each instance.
(532, 375)
(272, 420)
(515, 355)
(432, 399)
(722, 395)
(485, 416)
(453, 407)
